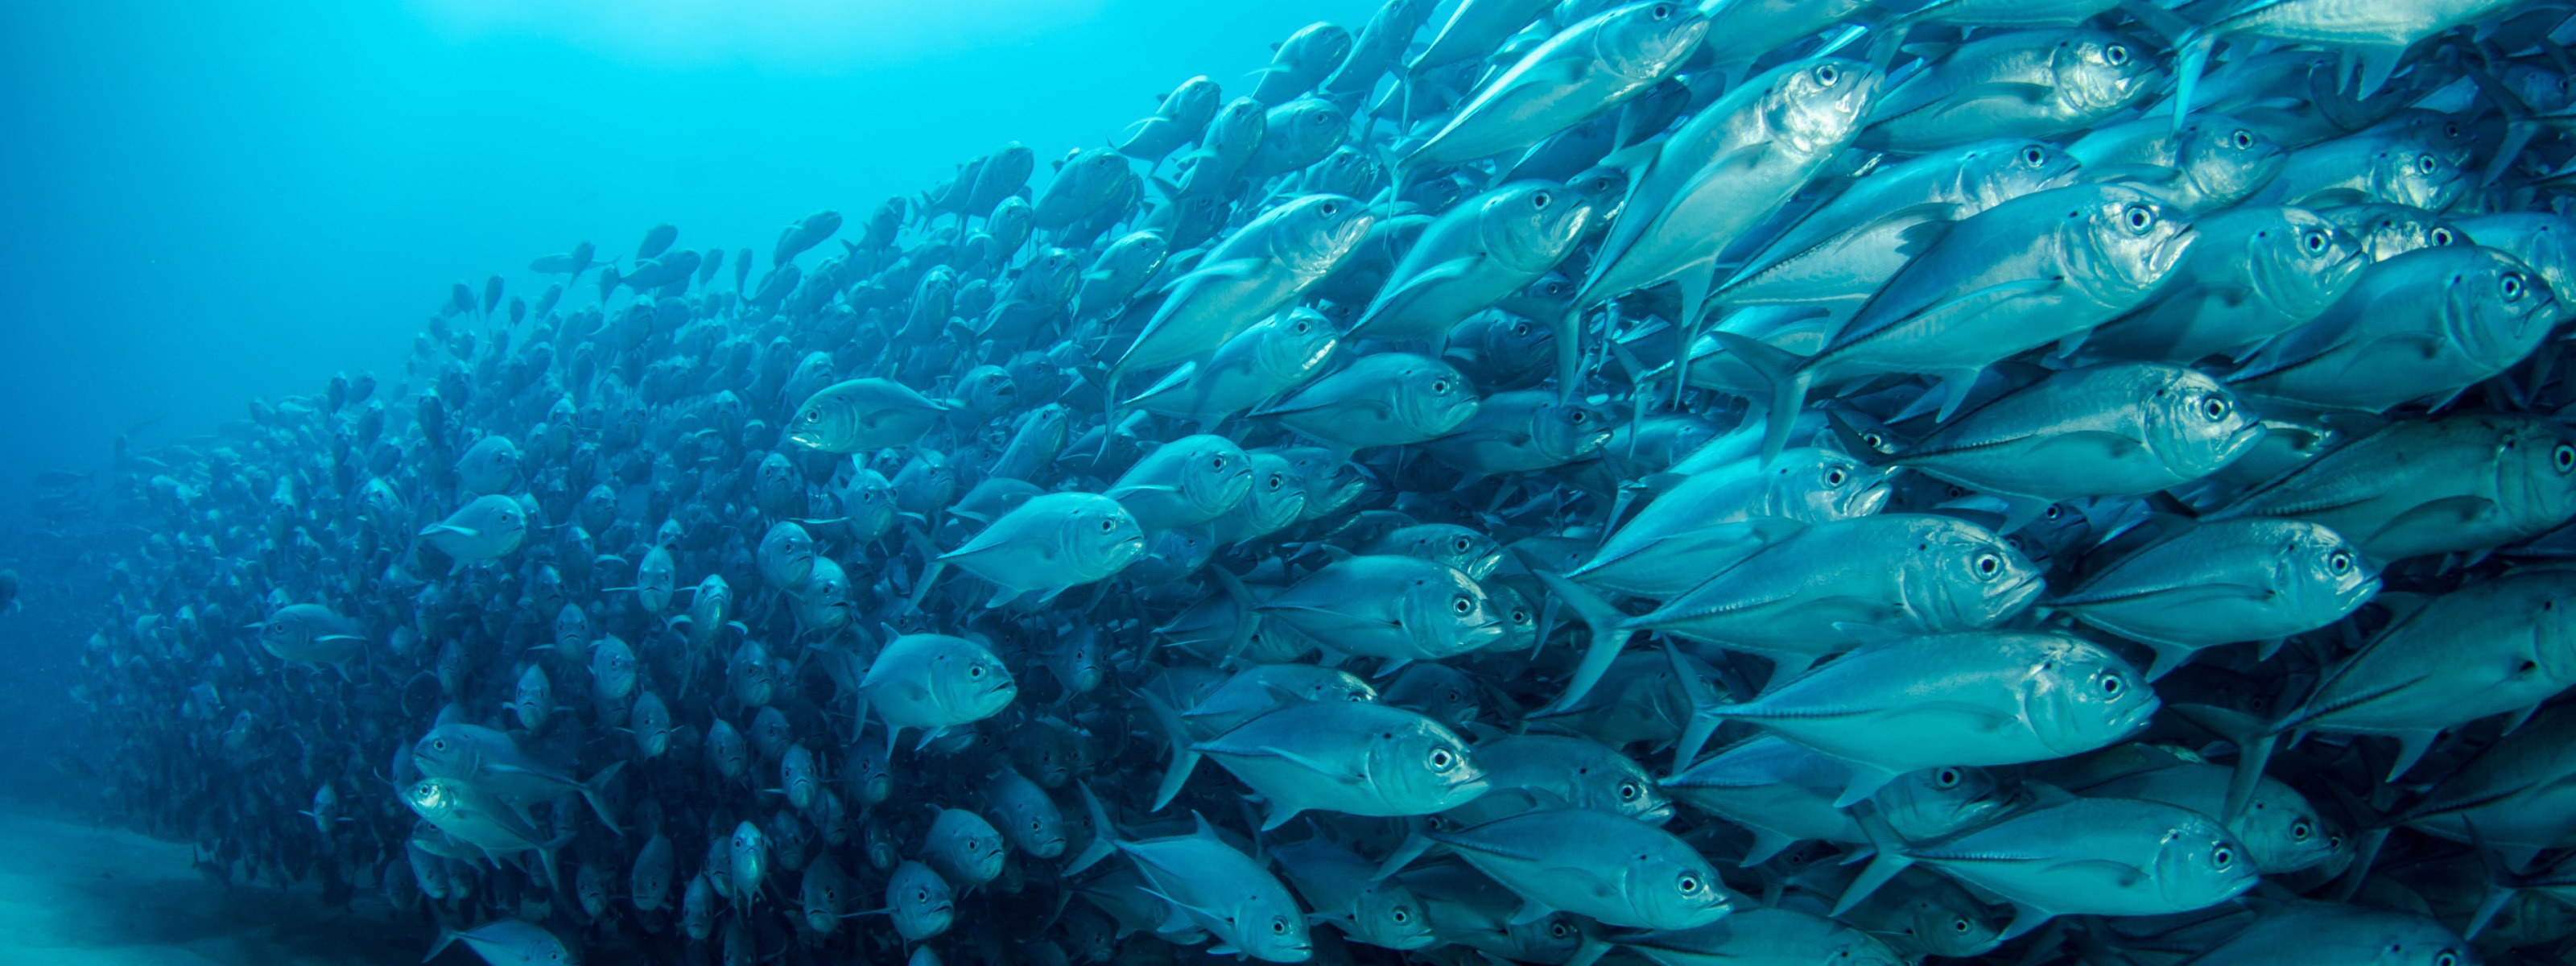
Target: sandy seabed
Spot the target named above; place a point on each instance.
(77, 895)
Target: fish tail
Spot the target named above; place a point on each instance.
(2254, 739)
(2188, 65)
(1890, 860)
(1607, 637)
(1184, 760)
(1787, 376)
(595, 790)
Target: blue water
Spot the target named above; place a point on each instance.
(201, 204)
(204, 203)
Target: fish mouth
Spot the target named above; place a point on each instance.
(806, 438)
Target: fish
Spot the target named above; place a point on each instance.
(2244, 579)
(1211, 886)
(1587, 69)
(1356, 758)
(935, 682)
(2008, 698)
(1052, 543)
(863, 414)
(1947, 311)
(1630, 481)
(2425, 324)
(1615, 869)
(2098, 856)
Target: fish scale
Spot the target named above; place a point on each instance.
(1910, 463)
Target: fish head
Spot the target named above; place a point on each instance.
(1931, 802)
(2081, 696)
(2195, 423)
(1432, 397)
(1573, 429)
(1388, 915)
(2499, 310)
(1530, 225)
(1444, 612)
(1519, 623)
(2227, 158)
(787, 554)
(1215, 474)
(1604, 190)
(1644, 41)
(2333, 575)
(1103, 536)
(1319, 231)
(2535, 465)
(1426, 764)
(1817, 105)
(920, 901)
(1278, 494)
(2128, 242)
(433, 798)
(1820, 485)
(2098, 72)
(1676, 889)
(868, 504)
(1553, 938)
(2302, 263)
(2198, 863)
(969, 682)
(2001, 171)
(2282, 832)
(2409, 172)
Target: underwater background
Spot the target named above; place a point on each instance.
(1464, 482)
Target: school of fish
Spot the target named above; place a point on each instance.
(1749, 482)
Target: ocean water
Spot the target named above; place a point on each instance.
(1612, 484)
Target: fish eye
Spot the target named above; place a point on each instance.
(1462, 605)
(2222, 857)
(2117, 54)
(1827, 75)
(2565, 457)
(1539, 201)
(2339, 561)
(2243, 140)
(2447, 958)
(2112, 685)
(1945, 779)
(2214, 408)
(1461, 545)
(1836, 477)
(1278, 927)
(1559, 930)
(1400, 916)
(1989, 565)
(1690, 884)
(1301, 327)
(2316, 242)
(1329, 207)
(2440, 236)
(2033, 155)
(1579, 417)
(1661, 11)
(1440, 386)
(1961, 926)
(1628, 791)
(1108, 525)
(1216, 462)
(1441, 759)
(2139, 217)
(814, 415)
(2300, 830)
(2424, 164)
(976, 671)
(2511, 286)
